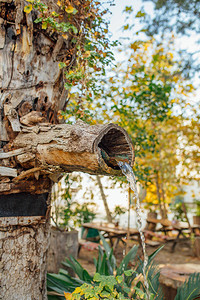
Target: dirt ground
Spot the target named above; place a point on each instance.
(183, 254)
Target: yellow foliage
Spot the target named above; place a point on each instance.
(65, 36)
(44, 25)
(28, 8)
(68, 296)
(78, 290)
(69, 9)
(151, 196)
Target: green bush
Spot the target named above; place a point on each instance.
(114, 282)
(106, 266)
(197, 202)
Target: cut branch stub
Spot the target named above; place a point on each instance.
(78, 147)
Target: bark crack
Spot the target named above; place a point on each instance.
(12, 65)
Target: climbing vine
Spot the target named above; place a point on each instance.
(84, 27)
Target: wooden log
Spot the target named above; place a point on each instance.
(173, 276)
(26, 185)
(77, 147)
(9, 154)
(10, 172)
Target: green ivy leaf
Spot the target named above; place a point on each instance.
(38, 20)
(119, 278)
(61, 65)
(104, 294)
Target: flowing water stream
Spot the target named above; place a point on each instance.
(128, 172)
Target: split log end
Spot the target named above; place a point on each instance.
(113, 145)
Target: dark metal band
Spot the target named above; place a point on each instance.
(23, 204)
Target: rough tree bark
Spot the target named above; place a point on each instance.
(23, 254)
(35, 149)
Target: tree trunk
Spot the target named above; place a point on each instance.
(103, 196)
(23, 255)
(33, 149)
(159, 196)
(163, 196)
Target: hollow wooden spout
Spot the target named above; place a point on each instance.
(78, 147)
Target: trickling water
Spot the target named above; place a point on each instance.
(128, 172)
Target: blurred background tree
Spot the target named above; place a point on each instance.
(181, 18)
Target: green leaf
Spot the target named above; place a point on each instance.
(74, 29)
(86, 276)
(109, 254)
(97, 277)
(79, 270)
(119, 278)
(105, 294)
(104, 266)
(61, 65)
(95, 262)
(60, 283)
(129, 272)
(190, 288)
(67, 85)
(151, 257)
(38, 20)
(63, 272)
(130, 256)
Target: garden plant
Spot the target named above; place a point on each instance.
(115, 282)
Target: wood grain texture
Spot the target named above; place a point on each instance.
(4, 171)
(76, 147)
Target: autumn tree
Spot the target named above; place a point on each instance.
(45, 48)
(151, 98)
